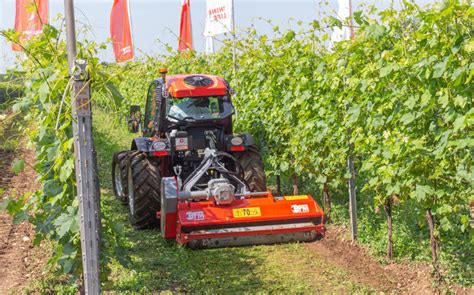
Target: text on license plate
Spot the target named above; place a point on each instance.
(246, 212)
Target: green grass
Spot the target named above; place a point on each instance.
(157, 264)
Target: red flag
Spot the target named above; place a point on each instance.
(29, 19)
(185, 30)
(121, 31)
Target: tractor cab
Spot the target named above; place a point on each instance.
(179, 101)
(185, 115)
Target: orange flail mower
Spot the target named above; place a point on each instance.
(257, 218)
(204, 185)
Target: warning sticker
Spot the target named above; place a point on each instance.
(298, 197)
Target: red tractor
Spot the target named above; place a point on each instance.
(202, 184)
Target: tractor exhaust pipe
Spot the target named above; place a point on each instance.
(164, 91)
(163, 72)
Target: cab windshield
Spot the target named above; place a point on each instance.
(199, 108)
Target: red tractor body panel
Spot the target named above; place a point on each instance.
(178, 88)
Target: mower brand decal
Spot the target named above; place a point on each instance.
(246, 212)
(299, 208)
(293, 198)
(181, 143)
(195, 215)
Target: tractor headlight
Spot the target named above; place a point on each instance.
(158, 146)
(237, 141)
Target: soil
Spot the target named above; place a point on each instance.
(19, 260)
(336, 248)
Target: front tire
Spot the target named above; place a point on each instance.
(254, 173)
(119, 176)
(144, 182)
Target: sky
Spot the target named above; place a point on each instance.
(155, 22)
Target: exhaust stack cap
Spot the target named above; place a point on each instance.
(163, 72)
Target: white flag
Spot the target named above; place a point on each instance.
(218, 17)
(343, 13)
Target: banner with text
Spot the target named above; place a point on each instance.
(30, 17)
(121, 31)
(218, 17)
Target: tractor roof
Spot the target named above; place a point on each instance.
(187, 85)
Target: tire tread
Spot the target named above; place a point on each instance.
(146, 187)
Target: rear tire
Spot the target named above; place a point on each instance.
(254, 173)
(119, 176)
(144, 182)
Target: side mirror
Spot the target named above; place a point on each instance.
(135, 119)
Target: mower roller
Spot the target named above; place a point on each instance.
(200, 183)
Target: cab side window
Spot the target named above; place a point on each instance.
(151, 108)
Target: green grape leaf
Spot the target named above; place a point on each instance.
(422, 192)
(66, 170)
(439, 69)
(407, 118)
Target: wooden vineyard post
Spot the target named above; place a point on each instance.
(85, 160)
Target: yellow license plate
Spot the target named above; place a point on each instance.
(293, 198)
(246, 212)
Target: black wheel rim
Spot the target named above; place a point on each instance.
(118, 181)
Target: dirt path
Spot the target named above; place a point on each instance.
(19, 260)
(336, 249)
